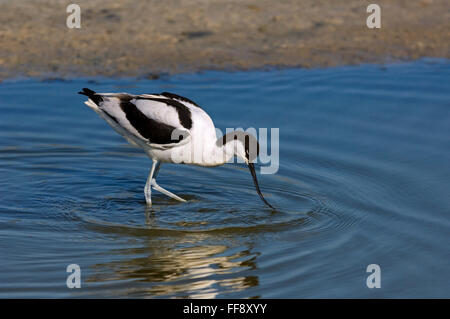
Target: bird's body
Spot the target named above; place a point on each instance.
(171, 129)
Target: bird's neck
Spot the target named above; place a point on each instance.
(220, 154)
(211, 153)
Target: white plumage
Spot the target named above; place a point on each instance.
(172, 129)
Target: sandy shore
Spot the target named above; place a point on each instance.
(146, 38)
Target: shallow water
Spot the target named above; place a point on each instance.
(364, 179)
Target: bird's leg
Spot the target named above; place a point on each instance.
(148, 185)
(166, 192)
(156, 172)
(151, 182)
(162, 190)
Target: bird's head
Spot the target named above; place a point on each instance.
(246, 147)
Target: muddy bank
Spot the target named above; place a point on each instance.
(137, 38)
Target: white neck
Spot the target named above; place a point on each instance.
(206, 153)
(218, 155)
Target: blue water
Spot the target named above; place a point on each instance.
(364, 178)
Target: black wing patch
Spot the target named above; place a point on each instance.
(156, 132)
(178, 97)
(184, 114)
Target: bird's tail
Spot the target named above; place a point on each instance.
(87, 92)
(92, 95)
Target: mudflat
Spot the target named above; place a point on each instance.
(147, 38)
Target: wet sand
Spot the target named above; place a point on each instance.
(131, 38)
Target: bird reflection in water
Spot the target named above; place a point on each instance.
(180, 264)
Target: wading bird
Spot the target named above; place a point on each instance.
(172, 129)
